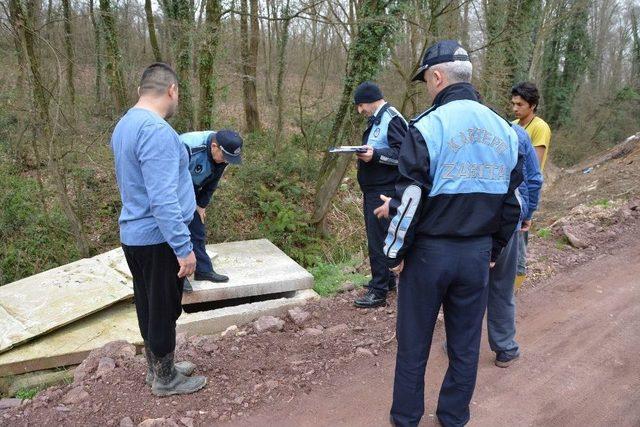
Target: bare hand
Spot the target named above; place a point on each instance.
(202, 212)
(492, 264)
(187, 265)
(398, 268)
(526, 225)
(366, 156)
(382, 211)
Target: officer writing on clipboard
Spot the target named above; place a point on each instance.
(377, 174)
(454, 209)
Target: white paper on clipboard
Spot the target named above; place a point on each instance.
(348, 149)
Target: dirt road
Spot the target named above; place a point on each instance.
(580, 338)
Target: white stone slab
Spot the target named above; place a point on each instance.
(214, 321)
(57, 297)
(116, 260)
(71, 344)
(254, 267)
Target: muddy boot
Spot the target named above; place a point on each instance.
(169, 381)
(184, 367)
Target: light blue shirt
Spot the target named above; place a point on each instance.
(152, 170)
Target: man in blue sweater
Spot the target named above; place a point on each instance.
(209, 154)
(157, 206)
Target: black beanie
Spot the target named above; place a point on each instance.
(367, 92)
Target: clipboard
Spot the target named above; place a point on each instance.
(348, 149)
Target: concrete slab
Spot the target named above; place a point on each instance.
(49, 300)
(214, 321)
(71, 344)
(115, 259)
(254, 267)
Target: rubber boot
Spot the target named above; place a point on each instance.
(185, 367)
(168, 381)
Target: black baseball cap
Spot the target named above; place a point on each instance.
(230, 142)
(442, 51)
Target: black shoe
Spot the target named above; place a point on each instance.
(370, 300)
(503, 360)
(211, 276)
(186, 286)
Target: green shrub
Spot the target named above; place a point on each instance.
(544, 233)
(329, 278)
(28, 393)
(33, 238)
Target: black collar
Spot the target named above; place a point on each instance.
(376, 119)
(456, 92)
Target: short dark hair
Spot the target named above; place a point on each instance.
(157, 78)
(527, 91)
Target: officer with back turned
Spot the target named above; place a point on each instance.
(454, 209)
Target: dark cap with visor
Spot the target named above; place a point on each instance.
(442, 51)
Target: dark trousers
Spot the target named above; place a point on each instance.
(198, 239)
(452, 273)
(381, 277)
(158, 294)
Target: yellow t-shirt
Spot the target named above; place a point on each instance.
(540, 134)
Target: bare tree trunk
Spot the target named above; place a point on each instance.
(44, 125)
(365, 54)
(181, 16)
(207, 59)
(68, 46)
(114, 62)
(97, 34)
(282, 63)
(249, 52)
(266, 48)
(153, 39)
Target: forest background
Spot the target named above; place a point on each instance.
(283, 73)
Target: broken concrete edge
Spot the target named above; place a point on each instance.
(62, 325)
(265, 288)
(203, 323)
(216, 321)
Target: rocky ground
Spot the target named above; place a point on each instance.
(276, 360)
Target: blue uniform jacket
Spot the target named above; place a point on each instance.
(459, 181)
(530, 188)
(205, 173)
(385, 132)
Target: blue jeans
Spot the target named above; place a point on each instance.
(452, 273)
(501, 305)
(523, 241)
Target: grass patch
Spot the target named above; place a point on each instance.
(605, 203)
(329, 278)
(28, 393)
(562, 243)
(544, 233)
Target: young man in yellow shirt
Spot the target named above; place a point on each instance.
(524, 103)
